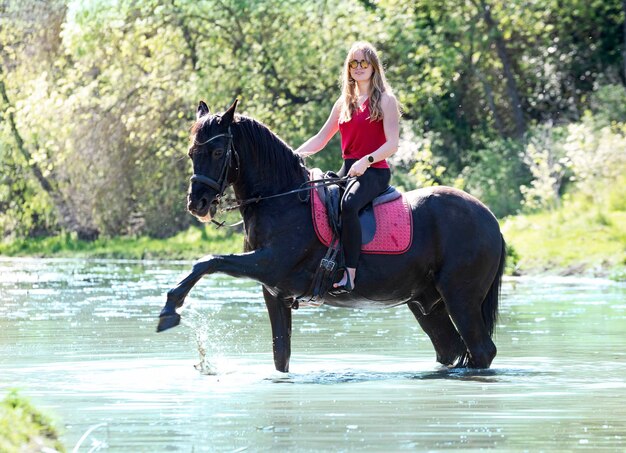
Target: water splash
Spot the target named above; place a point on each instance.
(205, 366)
(210, 335)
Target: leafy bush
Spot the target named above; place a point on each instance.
(548, 164)
(496, 176)
(414, 164)
(596, 154)
(512, 260)
(608, 104)
(24, 428)
(616, 195)
(588, 156)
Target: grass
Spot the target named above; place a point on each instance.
(24, 428)
(581, 237)
(190, 244)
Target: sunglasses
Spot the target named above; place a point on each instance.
(355, 64)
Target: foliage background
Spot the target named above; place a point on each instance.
(521, 103)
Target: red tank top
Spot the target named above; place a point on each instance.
(360, 136)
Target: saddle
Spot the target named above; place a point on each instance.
(386, 222)
(386, 228)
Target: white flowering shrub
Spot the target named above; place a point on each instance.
(548, 164)
(590, 155)
(597, 156)
(415, 156)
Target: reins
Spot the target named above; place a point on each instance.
(312, 183)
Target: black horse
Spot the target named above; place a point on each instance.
(450, 276)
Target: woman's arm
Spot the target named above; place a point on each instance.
(391, 125)
(319, 140)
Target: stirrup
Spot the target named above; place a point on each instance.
(345, 288)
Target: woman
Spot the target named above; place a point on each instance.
(367, 116)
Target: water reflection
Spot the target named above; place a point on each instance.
(78, 337)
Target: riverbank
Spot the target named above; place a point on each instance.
(24, 428)
(577, 239)
(187, 245)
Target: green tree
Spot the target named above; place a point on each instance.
(97, 97)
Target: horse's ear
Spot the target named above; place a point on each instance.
(229, 115)
(203, 109)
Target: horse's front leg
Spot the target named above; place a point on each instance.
(279, 309)
(253, 265)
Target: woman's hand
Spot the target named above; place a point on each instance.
(359, 167)
(319, 140)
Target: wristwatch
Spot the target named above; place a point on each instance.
(370, 159)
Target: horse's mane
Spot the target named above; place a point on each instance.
(275, 159)
(277, 163)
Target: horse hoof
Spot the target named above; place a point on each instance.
(168, 321)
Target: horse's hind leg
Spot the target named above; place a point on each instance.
(448, 344)
(464, 307)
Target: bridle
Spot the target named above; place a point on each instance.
(220, 184)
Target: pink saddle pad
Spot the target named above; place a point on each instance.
(394, 226)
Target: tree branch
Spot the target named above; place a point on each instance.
(67, 218)
(503, 54)
(624, 43)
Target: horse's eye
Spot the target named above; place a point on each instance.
(218, 153)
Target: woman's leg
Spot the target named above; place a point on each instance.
(358, 194)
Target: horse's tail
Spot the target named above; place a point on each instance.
(490, 304)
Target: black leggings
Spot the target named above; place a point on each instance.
(358, 194)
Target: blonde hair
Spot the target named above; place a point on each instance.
(349, 101)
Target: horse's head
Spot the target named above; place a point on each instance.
(212, 155)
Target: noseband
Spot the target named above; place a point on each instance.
(222, 182)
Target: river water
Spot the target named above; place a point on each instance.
(78, 338)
